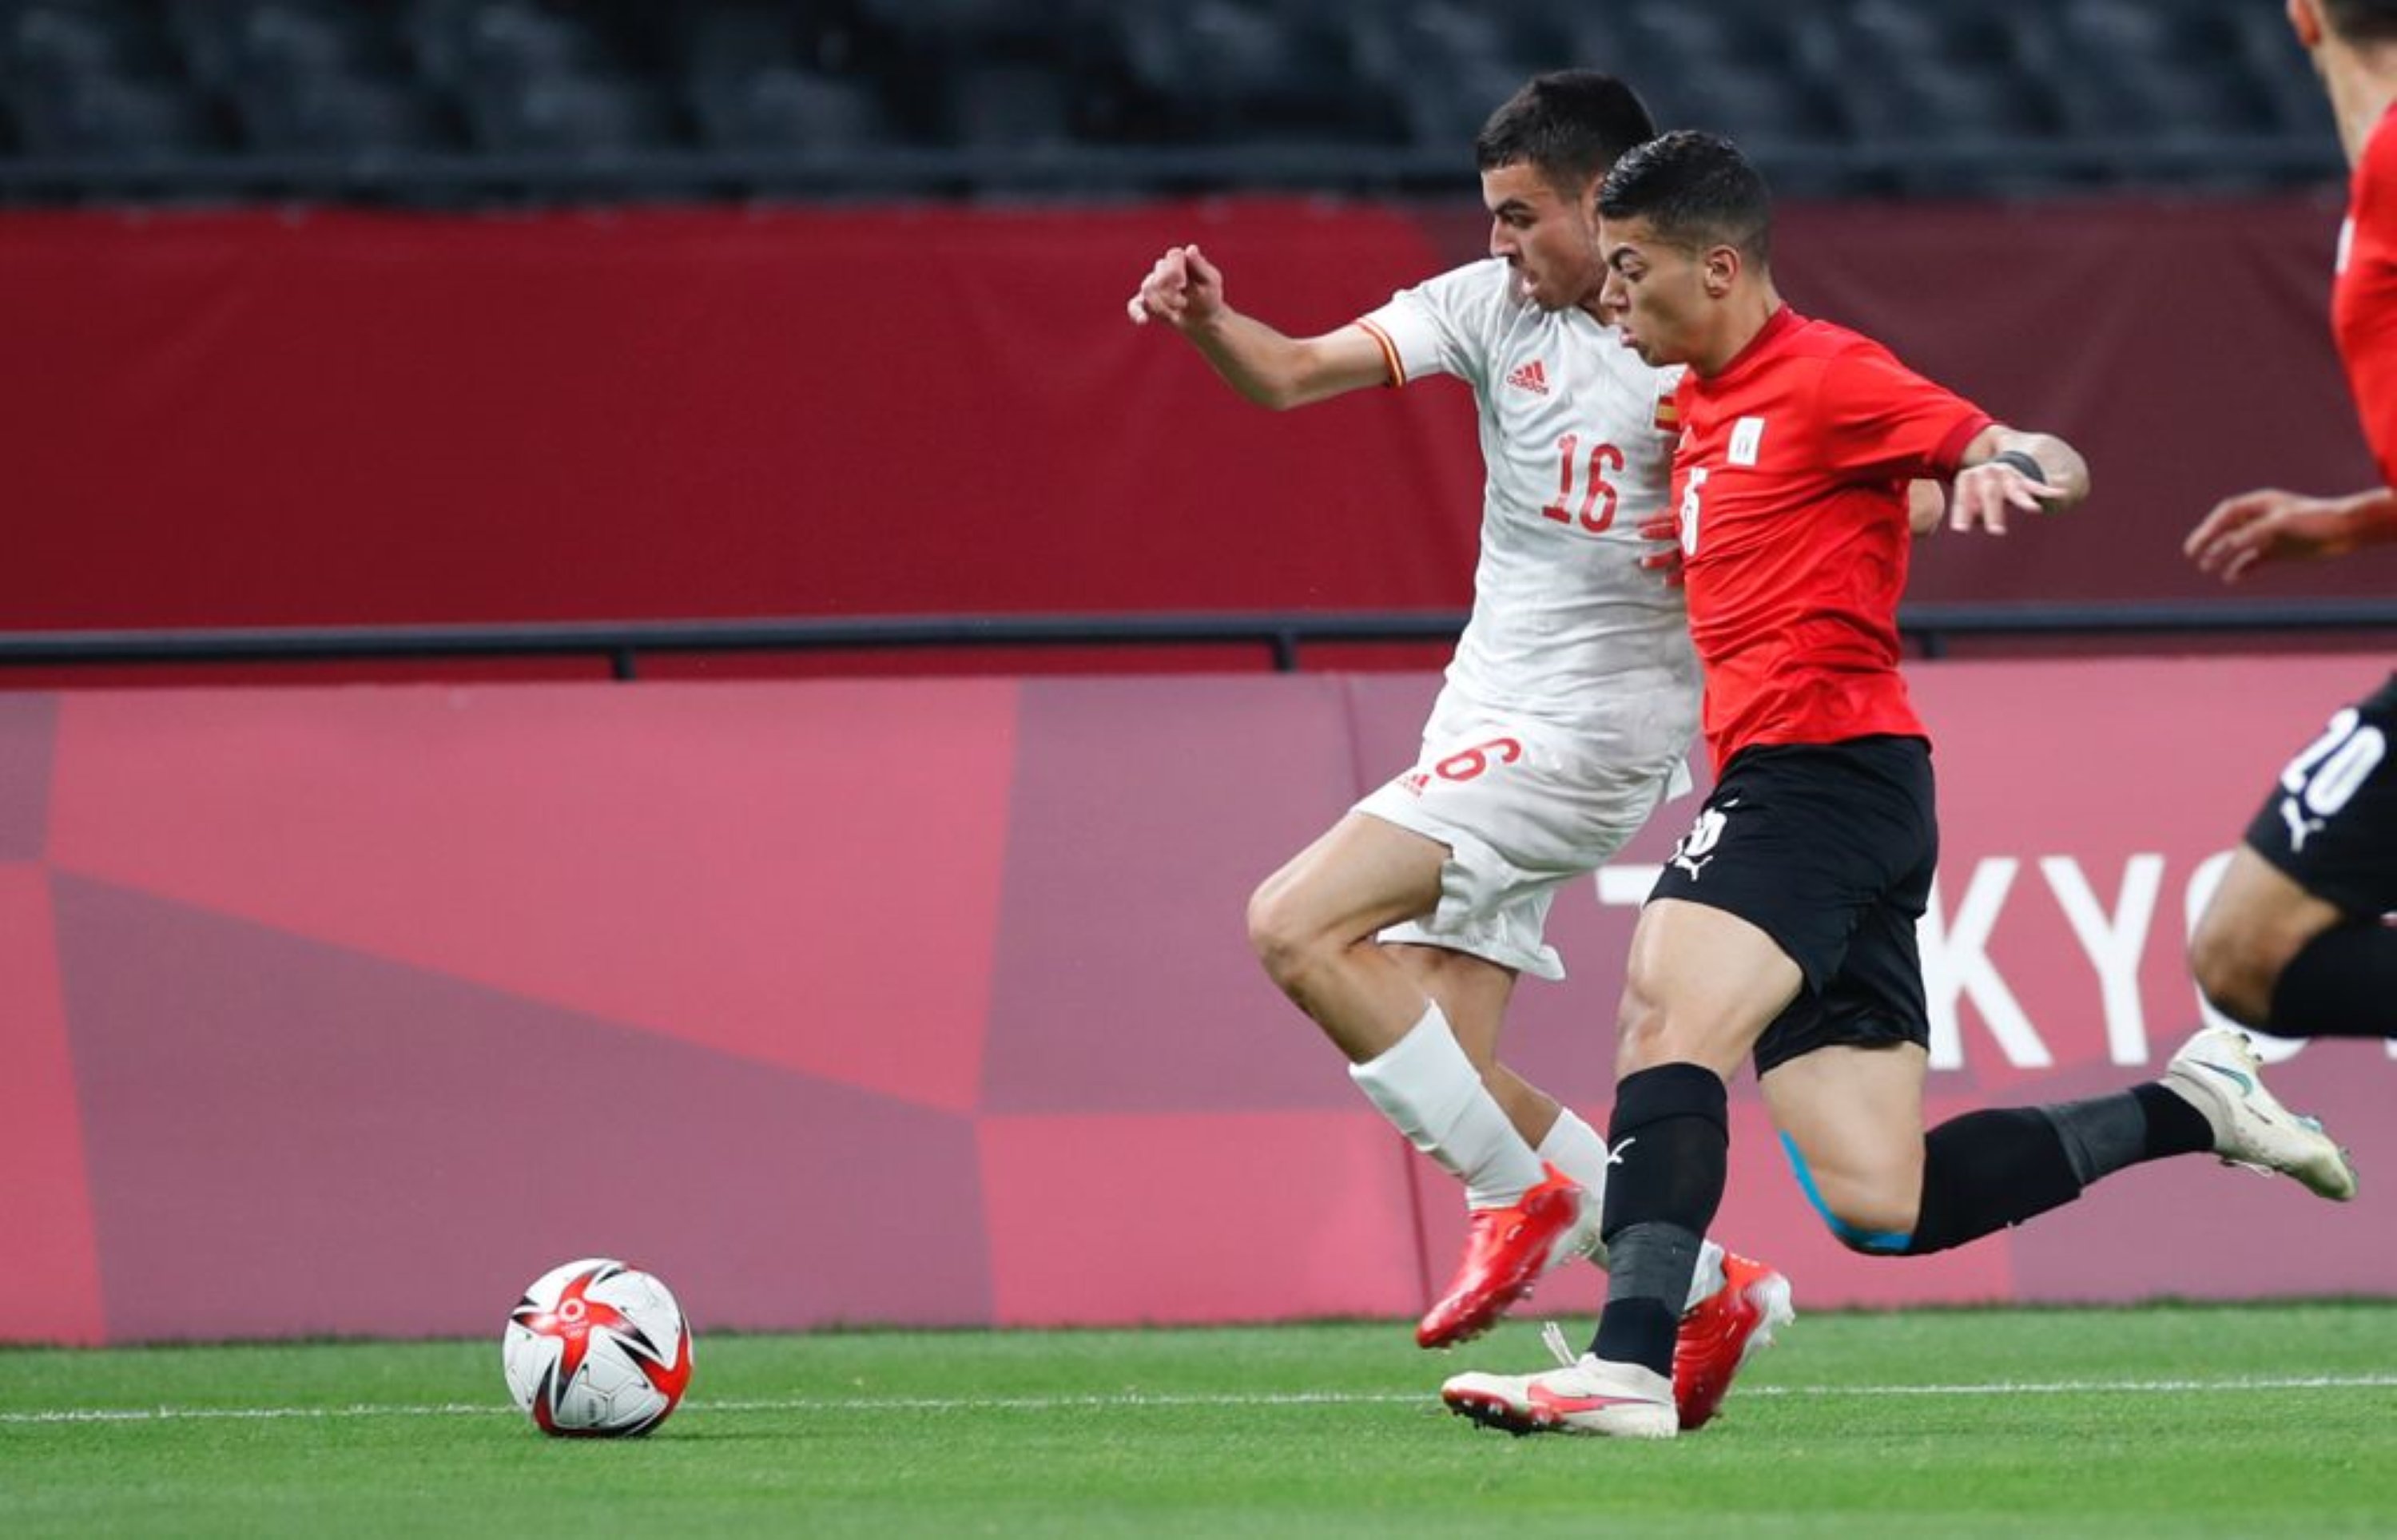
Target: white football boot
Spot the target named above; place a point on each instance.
(2218, 1072)
(1581, 1395)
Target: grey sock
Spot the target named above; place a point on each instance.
(1653, 1261)
(2102, 1134)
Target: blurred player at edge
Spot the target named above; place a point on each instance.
(1783, 927)
(1563, 723)
(2293, 941)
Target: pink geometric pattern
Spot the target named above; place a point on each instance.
(352, 1010)
(739, 866)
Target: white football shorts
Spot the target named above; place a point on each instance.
(1523, 807)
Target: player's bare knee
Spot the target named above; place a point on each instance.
(2235, 971)
(1274, 934)
(1290, 944)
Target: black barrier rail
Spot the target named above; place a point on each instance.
(1930, 627)
(2165, 159)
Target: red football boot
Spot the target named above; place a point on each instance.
(1506, 1252)
(1719, 1332)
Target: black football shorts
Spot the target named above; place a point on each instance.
(2331, 822)
(1829, 850)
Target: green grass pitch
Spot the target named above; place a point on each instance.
(2163, 1421)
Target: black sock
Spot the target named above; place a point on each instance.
(2175, 1125)
(2341, 984)
(2147, 1123)
(1670, 1136)
(1985, 1171)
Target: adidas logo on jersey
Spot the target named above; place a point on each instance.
(1532, 378)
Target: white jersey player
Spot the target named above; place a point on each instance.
(1561, 725)
(1573, 694)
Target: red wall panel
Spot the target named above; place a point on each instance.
(247, 419)
(257, 418)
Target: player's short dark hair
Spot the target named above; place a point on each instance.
(1568, 125)
(2362, 21)
(1695, 190)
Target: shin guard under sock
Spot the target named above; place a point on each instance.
(1671, 1141)
(1985, 1171)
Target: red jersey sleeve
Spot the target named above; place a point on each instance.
(2364, 299)
(1881, 418)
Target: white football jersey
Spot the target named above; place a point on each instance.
(1578, 442)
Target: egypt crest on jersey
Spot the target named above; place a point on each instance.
(1577, 438)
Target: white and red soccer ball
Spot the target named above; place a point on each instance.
(597, 1349)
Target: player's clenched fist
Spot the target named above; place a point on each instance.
(1183, 290)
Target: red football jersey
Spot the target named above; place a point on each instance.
(2364, 298)
(1789, 486)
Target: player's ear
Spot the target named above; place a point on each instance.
(2306, 20)
(1721, 267)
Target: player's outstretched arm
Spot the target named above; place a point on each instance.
(2005, 470)
(2269, 525)
(1185, 291)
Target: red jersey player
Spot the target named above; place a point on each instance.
(1563, 723)
(1783, 927)
(2292, 941)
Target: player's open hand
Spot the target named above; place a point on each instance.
(1986, 492)
(1183, 290)
(1666, 562)
(2266, 525)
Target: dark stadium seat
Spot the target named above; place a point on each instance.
(1660, 37)
(785, 107)
(461, 43)
(1935, 101)
(979, 25)
(1759, 107)
(226, 42)
(1444, 111)
(573, 115)
(1520, 38)
(2281, 70)
(103, 117)
(328, 113)
(54, 40)
(1007, 106)
(1239, 70)
(731, 42)
(1953, 97)
(2157, 71)
(1882, 40)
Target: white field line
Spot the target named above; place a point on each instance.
(1136, 1401)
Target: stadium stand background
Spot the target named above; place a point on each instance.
(384, 313)
(451, 100)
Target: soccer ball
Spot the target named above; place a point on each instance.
(597, 1349)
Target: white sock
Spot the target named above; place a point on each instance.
(1431, 1093)
(1708, 1275)
(1578, 1150)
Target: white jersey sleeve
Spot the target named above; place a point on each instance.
(1439, 326)
(1576, 446)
